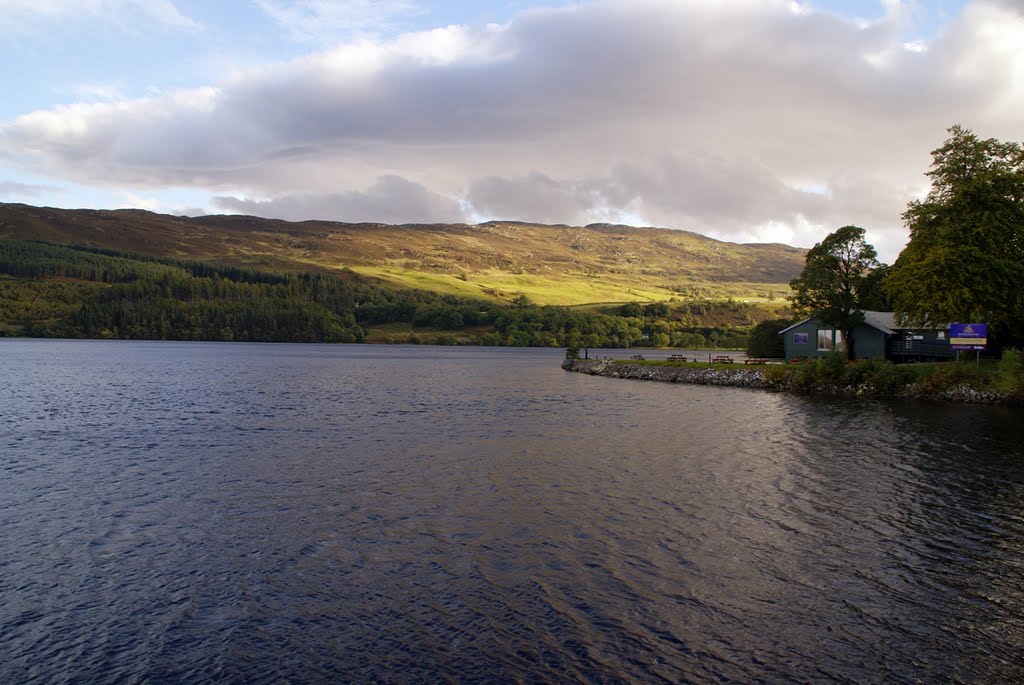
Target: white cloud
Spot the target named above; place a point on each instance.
(141, 202)
(721, 117)
(117, 11)
(324, 21)
(110, 92)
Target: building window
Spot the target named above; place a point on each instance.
(801, 338)
(825, 340)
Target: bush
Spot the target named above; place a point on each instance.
(833, 368)
(765, 341)
(777, 375)
(821, 372)
(888, 379)
(949, 375)
(808, 375)
(1010, 372)
(859, 373)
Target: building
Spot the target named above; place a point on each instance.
(878, 337)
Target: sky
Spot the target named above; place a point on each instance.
(744, 120)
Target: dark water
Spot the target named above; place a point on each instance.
(269, 513)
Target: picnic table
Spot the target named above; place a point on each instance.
(677, 358)
(756, 360)
(722, 359)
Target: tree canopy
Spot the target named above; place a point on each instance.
(965, 258)
(836, 281)
(765, 341)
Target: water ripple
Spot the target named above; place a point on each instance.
(265, 513)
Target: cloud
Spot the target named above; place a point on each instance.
(323, 21)
(189, 211)
(390, 199)
(118, 11)
(110, 92)
(534, 197)
(682, 113)
(15, 190)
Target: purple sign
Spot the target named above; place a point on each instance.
(968, 336)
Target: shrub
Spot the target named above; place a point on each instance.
(833, 368)
(777, 374)
(859, 373)
(949, 375)
(821, 373)
(1010, 372)
(887, 379)
(808, 375)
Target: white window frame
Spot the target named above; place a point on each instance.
(824, 343)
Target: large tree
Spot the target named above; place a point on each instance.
(836, 281)
(965, 258)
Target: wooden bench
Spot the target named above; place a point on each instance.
(676, 358)
(722, 359)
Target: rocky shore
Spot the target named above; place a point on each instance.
(743, 377)
(764, 378)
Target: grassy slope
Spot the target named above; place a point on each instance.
(497, 260)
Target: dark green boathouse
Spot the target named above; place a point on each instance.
(878, 337)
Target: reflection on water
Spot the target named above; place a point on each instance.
(262, 513)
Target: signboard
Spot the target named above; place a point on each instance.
(968, 336)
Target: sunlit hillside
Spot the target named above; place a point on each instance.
(497, 260)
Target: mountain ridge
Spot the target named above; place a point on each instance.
(502, 260)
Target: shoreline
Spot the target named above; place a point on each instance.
(757, 379)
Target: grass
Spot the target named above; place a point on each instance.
(499, 261)
(564, 289)
(879, 378)
(419, 280)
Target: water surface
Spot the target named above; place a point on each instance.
(203, 512)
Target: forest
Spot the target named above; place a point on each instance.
(70, 291)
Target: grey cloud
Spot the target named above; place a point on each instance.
(390, 200)
(189, 211)
(535, 197)
(695, 193)
(27, 190)
(1012, 5)
(546, 72)
(697, 114)
(711, 192)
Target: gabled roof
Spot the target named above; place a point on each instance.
(886, 322)
(882, 321)
(798, 323)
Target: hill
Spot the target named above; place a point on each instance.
(499, 261)
(49, 289)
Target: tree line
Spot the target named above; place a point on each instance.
(56, 290)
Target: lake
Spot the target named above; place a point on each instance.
(216, 512)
